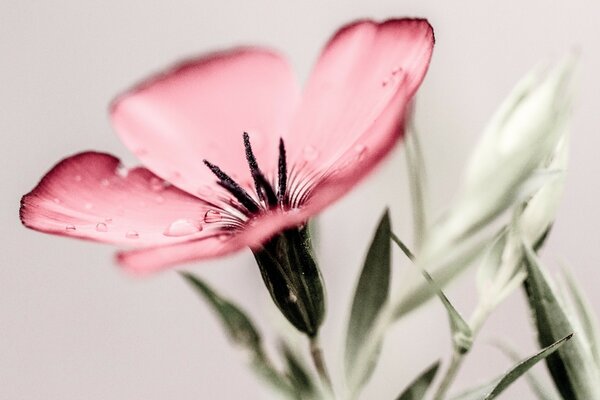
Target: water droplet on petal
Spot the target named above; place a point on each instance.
(101, 227)
(132, 235)
(205, 191)
(122, 171)
(182, 227)
(70, 228)
(224, 236)
(105, 182)
(88, 206)
(360, 150)
(212, 216)
(77, 178)
(310, 153)
(156, 184)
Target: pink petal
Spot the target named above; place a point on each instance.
(258, 230)
(365, 71)
(90, 196)
(199, 110)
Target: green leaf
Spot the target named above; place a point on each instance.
(585, 314)
(572, 368)
(462, 336)
(417, 389)
(301, 379)
(536, 386)
(241, 331)
(370, 296)
(238, 326)
(519, 369)
(495, 387)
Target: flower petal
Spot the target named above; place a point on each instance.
(200, 109)
(356, 79)
(91, 196)
(258, 230)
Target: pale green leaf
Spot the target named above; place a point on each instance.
(572, 368)
(241, 331)
(417, 389)
(490, 264)
(298, 374)
(238, 326)
(461, 332)
(519, 369)
(541, 391)
(370, 296)
(585, 314)
(492, 389)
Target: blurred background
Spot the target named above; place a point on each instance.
(74, 326)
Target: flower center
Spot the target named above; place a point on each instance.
(268, 197)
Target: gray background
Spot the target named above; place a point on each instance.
(72, 326)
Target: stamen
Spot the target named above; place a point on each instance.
(232, 187)
(263, 187)
(282, 173)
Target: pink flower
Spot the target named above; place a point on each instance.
(304, 151)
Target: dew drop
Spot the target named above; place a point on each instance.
(182, 227)
(212, 216)
(77, 178)
(132, 235)
(88, 206)
(360, 150)
(156, 184)
(70, 228)
(122, 171)
(310, 153)
(224, 236)
(205, 191)
(101, 227)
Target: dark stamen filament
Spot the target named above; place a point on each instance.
(232, 187)
(263, 187)
(246, 204)
(282, 173)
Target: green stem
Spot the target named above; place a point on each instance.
(451, 372)
(319, 361)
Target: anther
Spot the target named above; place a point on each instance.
(232, 187)
(282, 173)
(263, 187)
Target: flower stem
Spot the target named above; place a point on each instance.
(319, 362)
(451, 372)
